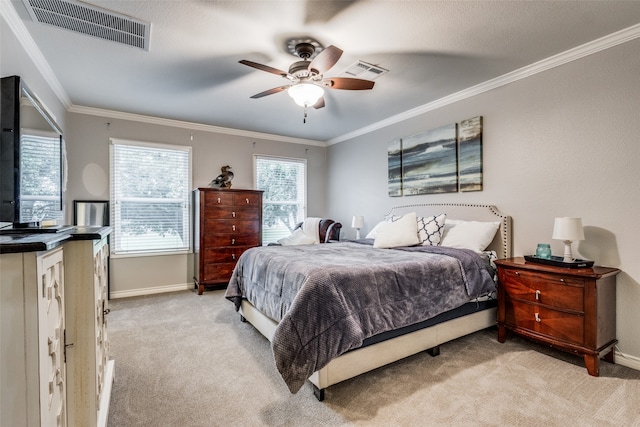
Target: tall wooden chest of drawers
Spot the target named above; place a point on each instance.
(570, 309)
(227, 223)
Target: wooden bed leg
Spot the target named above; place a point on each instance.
(318, 393)
(435, 351)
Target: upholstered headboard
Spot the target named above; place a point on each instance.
(502, 242)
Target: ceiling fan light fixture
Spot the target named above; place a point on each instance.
(305, 94)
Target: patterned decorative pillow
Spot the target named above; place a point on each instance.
(430, 229)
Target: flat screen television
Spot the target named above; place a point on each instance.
(31, 162)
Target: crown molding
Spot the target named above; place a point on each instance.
(16, 25)
(191, 126)
(603, 43)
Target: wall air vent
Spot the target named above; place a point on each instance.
(86, 19)
(364, 70)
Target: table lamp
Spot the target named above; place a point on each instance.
(357, 222)
(568, 230)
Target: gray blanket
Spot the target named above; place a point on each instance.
(328, 298)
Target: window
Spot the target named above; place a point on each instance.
(40, 176)
(150, 193)
(284, 202)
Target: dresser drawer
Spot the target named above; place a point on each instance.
(217, 198)
(247, 199)
(232, 212)
(218, 273)
(226, 254)
(556, 324)
(555, 291)
(220, 226)
(240, 239)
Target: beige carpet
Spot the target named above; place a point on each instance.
(187, 360)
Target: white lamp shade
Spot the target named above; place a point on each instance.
(568, 229)
(305, 94)
(357, 221)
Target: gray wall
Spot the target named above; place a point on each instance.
(565, 142)
(88, 138)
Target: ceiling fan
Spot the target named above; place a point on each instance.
(306, 78)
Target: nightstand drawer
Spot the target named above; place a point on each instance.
(555, 291)
(552, 323)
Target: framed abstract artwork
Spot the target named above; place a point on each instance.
(394, 156)
(470, 154)
(430, 162)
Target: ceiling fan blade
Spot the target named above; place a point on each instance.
(264, 68)
(325, 59)
(348, 83)
(319, 103)
(271, 91)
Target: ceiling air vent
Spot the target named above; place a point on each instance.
(86, 19)
(364, 70)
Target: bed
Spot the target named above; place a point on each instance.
(356, 307)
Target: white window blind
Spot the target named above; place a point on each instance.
(150, 194)
(40, 176)
(284, 201)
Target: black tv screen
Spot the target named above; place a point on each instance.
(31, 161)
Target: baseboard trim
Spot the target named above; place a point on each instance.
(150, 290)
(627, 360)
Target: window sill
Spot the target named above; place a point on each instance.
(149, 254)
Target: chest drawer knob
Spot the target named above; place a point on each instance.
(247, 199)
(537, 315)
(517, 273)
(537, 294)
(233, 227)
(233, 241)
(233, 257)
(218, 200)
(233, 214)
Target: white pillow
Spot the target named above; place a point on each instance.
(298, 237)
(474, 235)
(402, 232)
(430, 229)
(374, 231)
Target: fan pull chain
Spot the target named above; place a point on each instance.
(304, 118)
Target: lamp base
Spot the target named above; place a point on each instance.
(568, 256)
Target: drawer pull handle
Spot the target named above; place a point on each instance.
(218, 200)
(247, 199)
(233, 227)
(537, 295)
(517, 273)
(233, 257)
(538, 317)
(233, 214)
(233, 241)
(562, 280)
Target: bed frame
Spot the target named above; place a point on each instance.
(367, 358)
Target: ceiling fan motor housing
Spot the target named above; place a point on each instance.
(300, 69)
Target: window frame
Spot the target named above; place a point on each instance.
(188, 248)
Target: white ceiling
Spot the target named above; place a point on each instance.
(432, 48)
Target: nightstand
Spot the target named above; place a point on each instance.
(570, 309)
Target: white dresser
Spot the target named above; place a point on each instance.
(53, 301)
